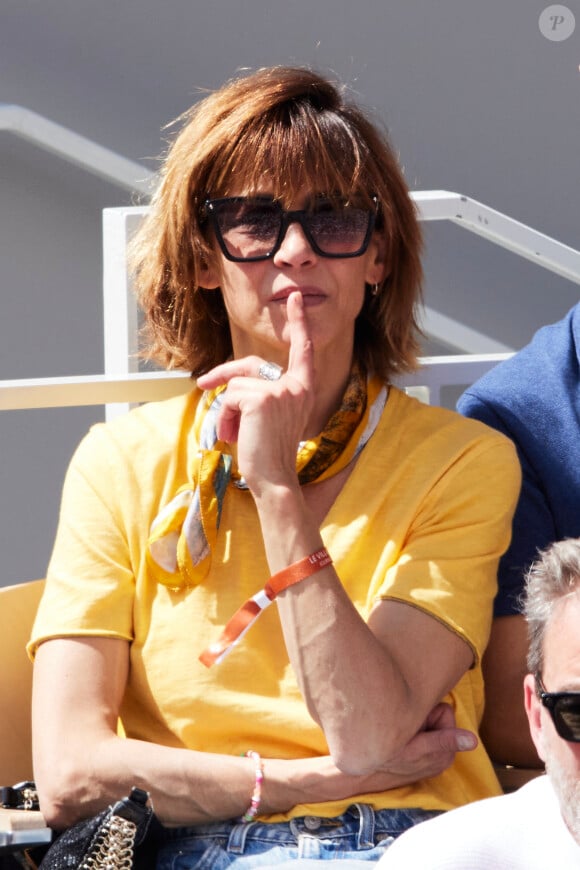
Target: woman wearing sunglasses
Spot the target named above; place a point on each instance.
(282, 582)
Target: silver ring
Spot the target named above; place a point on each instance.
(270, 371)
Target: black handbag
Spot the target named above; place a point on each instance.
(125, 836)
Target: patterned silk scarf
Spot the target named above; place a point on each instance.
(183, 534)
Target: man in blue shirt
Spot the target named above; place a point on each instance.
(534, 399)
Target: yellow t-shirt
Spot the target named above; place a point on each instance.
(423, 518)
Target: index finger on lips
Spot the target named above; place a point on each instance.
(301, 356)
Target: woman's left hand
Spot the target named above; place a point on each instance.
(267, 418)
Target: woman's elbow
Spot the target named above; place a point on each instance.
(362, 752)
(64, 796)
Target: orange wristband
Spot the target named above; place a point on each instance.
(297, 572)
(247, 614)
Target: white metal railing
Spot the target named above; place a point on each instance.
(500, 229)
(435, 374)
(74, 148)
(83, 390)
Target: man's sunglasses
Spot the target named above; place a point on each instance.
(564, 708)
(252, 228)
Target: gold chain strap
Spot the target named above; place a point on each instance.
(29, 796)
(113, 846)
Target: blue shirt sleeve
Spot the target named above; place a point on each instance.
(533, 523)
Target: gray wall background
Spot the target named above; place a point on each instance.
(477, 101)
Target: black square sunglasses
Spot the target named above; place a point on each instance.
(564, 708)
(249, 229)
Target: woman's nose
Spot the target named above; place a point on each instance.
(295, 249)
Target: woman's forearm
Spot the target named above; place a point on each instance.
(369, 686)
(343, 671)
(191, 788)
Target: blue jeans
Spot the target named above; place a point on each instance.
(360, 836)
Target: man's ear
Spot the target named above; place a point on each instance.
(534, 713)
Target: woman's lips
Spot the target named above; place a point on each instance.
(310, 295)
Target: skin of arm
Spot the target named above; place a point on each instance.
(346, 669)
(82, 765)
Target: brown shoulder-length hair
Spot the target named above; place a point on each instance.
(292, 129)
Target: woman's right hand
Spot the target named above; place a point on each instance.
(430, 752)
(433, 749)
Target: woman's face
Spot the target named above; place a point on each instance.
(333, 291)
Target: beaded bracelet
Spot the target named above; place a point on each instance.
(252, 810)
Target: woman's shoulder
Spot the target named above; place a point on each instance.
(443, 442)
(426, 420)
(151, 429)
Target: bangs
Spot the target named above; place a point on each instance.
(295, 148)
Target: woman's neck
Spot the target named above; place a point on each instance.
(330, 380)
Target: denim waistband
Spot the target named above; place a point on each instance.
(359, 820)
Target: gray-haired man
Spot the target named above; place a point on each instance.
(537, 826)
